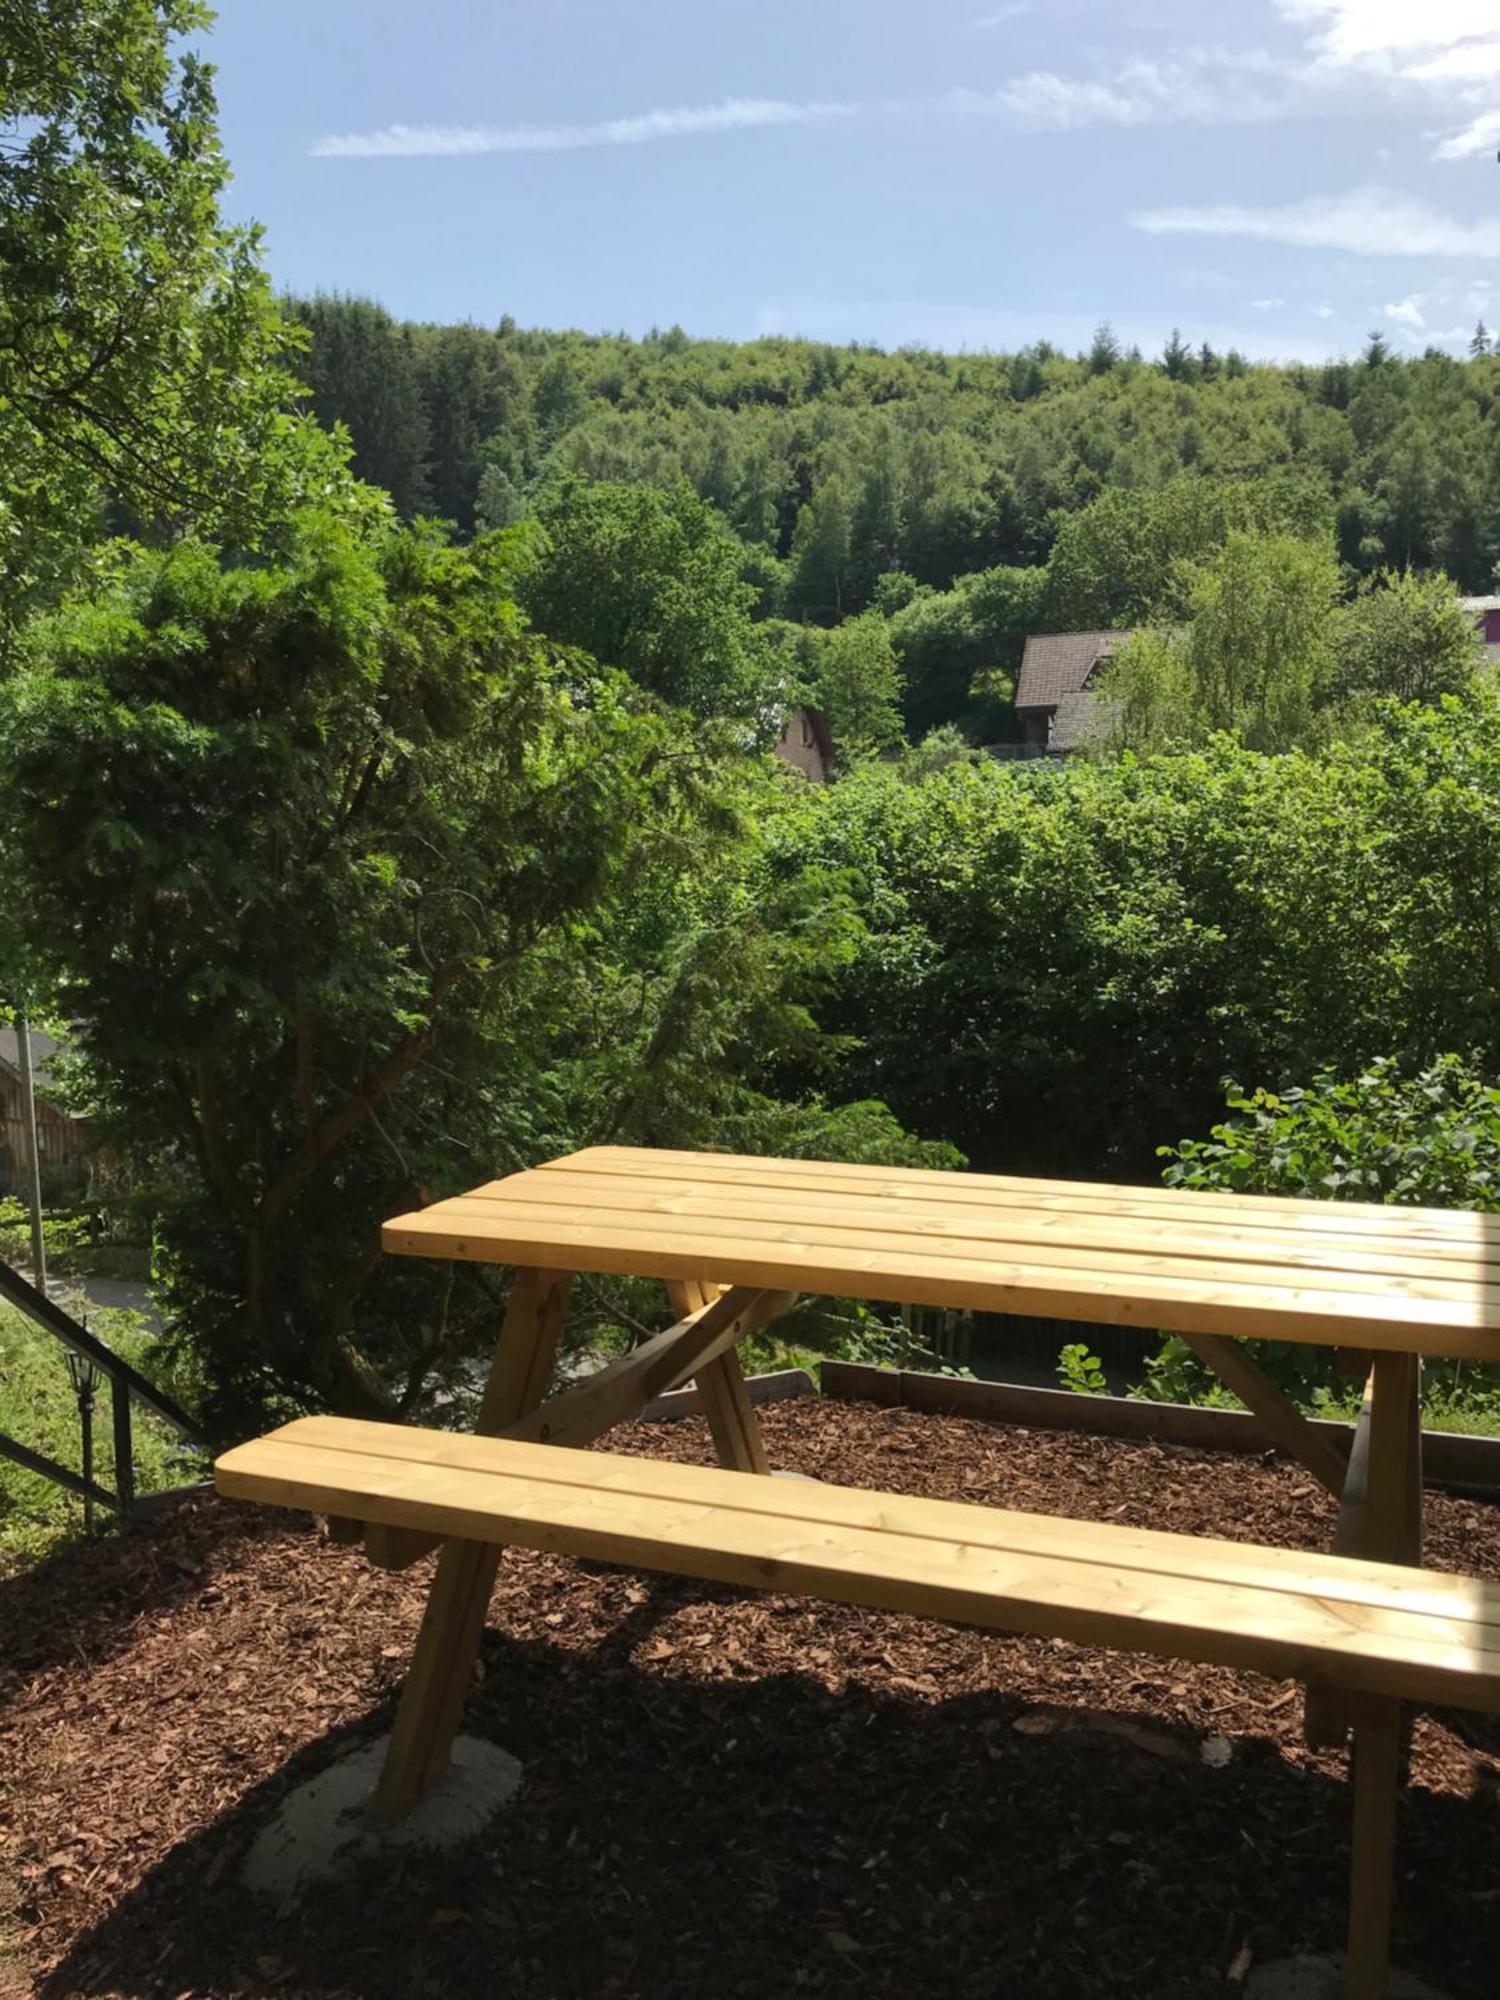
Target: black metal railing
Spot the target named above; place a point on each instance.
(89, 1359)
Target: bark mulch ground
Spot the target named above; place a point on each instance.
(725, 1795)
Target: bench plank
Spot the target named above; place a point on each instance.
(1367, 1626)
(1249, 1564)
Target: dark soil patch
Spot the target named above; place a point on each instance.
(725, 1795)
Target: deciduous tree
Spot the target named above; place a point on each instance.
(286, 840)
(650, 581)
(858, 684)
(141, 354)
(1408, 636)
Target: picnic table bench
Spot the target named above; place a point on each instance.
(738, 1241)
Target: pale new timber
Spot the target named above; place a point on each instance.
(663, 1162)
(1356, 1274)
(1367, 1626)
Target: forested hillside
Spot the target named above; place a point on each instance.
(966, 498)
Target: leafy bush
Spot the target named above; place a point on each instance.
(1081, 1370)
(1058, 967)
(78, 1244)
(1430, 1140)
(1427, 1138)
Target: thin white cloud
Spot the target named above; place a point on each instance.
(1447, 50)
(1198, 90)
(1266, 305)
(1358, 54)
(1407, 312)
(1481, 136)
(1352, 31)
(1369, 222)
(1465, 63)
(1047, 102)
(998, 16)
(735, 114)
(1198, 87)
(1321, 312)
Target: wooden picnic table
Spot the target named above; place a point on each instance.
(1393, 1284)
(739, 1240)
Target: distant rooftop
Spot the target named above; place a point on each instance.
(42, 1048)
(1059, 663)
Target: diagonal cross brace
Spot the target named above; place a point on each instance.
(613, 1396)
(625, 1387)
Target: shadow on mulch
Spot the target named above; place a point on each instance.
(676, 1837)
(110, 1584)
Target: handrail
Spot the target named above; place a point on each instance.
(49, 1315)
(60, 1475)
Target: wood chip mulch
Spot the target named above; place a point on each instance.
(725, 1795)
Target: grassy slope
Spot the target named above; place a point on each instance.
(37, 1408)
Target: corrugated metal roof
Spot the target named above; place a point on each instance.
(1059, 663)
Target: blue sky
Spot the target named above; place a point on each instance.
(1280, 175)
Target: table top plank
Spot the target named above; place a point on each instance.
(1422, 1280)
(1058, 1231)
(684, 1221)
(1279, 1211)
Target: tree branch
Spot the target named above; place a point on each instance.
(376, 1085)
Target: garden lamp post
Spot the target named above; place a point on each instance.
(85, 1379)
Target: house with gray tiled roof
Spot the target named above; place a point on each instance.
(1053, 693)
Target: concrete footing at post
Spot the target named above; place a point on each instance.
(327, 1826)
(1322, 1978)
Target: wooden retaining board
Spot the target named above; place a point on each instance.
(1448, 1458)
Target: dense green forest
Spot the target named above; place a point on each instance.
(967, 499)
(383, 790)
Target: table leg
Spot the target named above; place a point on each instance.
(1377, 1781)
(1383, 1523)
(732, 1421)
(432, 1697)
(1284, 1423)
(1380, 1512)
(1395, 1491)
